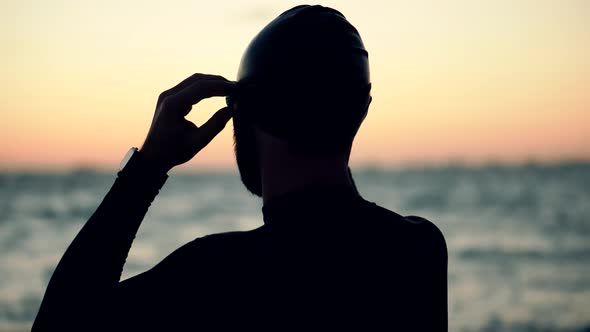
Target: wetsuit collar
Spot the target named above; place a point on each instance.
(308, 201)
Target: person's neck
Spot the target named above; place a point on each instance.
(285, 173)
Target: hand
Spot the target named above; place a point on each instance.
(173, 140)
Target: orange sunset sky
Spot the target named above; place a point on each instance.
(453, 81)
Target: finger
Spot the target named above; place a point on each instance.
(182, 101)
(211, 128)
(188, 81)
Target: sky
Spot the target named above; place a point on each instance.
(456, 81)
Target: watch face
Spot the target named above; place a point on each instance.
(127, 158)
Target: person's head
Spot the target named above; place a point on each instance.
(304, 82)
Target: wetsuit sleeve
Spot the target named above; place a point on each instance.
(84, 282)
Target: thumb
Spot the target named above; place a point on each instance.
(212, 127)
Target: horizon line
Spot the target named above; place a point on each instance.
(378, 167)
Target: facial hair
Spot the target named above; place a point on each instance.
(246, 150)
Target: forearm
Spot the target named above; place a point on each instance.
(83, 285)
(91, 267)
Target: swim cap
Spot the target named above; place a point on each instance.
(307, 70)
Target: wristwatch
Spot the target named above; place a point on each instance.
(128, 156)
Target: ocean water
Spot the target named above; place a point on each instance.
(518, 237)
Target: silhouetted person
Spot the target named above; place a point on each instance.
(325, 258)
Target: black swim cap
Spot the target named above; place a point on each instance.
(305, 76)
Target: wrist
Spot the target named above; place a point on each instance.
(152, 162)
(136, 168)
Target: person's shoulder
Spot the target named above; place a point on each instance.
(430, 235)
(418, 230)
(216, 241)
(393, 219)
(225, 239)
(207, 250)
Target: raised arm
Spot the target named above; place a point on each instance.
(82, 288)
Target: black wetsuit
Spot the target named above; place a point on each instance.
(325, 259)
